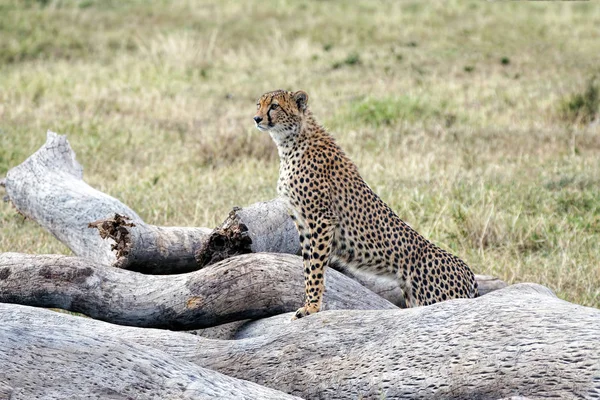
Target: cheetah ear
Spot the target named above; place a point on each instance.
(301, 99)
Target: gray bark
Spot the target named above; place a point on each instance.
(68, 359)
(244, 287)
(518, 341)
(270, 227)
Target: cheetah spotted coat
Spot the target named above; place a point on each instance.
(340, 219)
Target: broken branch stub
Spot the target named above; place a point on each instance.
(116, 229)
(263, 227)
(229, 239)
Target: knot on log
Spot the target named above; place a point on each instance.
(116, 229)
(229, 239)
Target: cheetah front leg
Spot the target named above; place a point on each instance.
(304, 238)
(315, 252)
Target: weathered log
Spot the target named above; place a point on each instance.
(244, 287)
(64, 361)
(48, 187)
(518, 341)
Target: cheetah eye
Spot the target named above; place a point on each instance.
(274, 106)
(257, 106)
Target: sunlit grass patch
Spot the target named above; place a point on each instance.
(378, 112)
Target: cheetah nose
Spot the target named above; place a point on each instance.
(257, 119)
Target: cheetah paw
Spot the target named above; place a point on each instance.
(306, 311)
(300, 313)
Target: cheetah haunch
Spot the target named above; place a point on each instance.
(340, 219)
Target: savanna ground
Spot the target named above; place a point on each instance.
(476, 121)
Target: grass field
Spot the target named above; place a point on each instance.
(476, 121)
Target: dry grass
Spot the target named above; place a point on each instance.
(454, 112)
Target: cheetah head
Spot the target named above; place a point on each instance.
(281, 112)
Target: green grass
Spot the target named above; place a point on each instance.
(376, 112)
(466, 117)
(582, 107)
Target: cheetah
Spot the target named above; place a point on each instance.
(340, 219)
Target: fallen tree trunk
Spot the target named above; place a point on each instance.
(48, 188)
(244, 287)
(62, 361)
(518, 341)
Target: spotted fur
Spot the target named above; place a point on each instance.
(340, 219)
